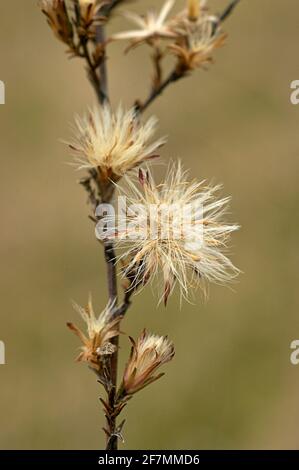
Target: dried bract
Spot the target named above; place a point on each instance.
(100, 331)
(58, 19)
(113, 143)
(89, 16)
(148, 354)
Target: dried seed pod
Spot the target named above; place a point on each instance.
(148, 354)
(100, 331)
(58, 19)
(113, 143)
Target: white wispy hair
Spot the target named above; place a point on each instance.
(151, 25)
(187, 252)
(200, 37)
(114, 143)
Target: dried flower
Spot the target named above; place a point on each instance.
(58, 19)
(194, 7)
(90, 16)
(148, 353)
(195, 48)
(97, 343)
(174, 229)
(194, 13)
(153, 25)
(113, 143)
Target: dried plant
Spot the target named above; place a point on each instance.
(113, 144)
(147, 355)
(174, 231)
(162, 238)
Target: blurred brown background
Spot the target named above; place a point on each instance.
(231, 384)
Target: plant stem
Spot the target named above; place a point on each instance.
(172, 77)
(228, 11)
(103, 82)
(100, 82)
(112, 289)
(112, 439)
(94, 79)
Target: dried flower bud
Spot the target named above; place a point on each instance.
(194, 49)
(147, 355)
(193, 9)
(58, 19)
(113, 143)
(90, 17)
(100, 331)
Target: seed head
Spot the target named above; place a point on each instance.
(113, 143)
(199, 38)
(89, 17)
(100, 330)
(148, 353)
(174, 230)
(58, 19)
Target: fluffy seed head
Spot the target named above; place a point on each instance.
(113, 143)
(174, 230)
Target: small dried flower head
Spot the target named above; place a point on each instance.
(174, 230)
(194, 13)
(58, 19)
(90, 17)
(194, 7)
(113, 143)
(148, 353)
(100, 330)
(153, 25)
(85, 3)
(199, 40)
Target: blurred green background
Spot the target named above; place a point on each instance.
(231, 384)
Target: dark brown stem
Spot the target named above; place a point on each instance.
(101, 39)
(97, 73)
(103, 81)
(95, 195)
(112, 436)
(228, 10)
(92, 73)
(112, 439)
(122, 310)
(157, 62)
(156, 92)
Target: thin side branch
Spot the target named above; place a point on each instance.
(156, 92)
(103, 81)
(174, 76)
(228, 10)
